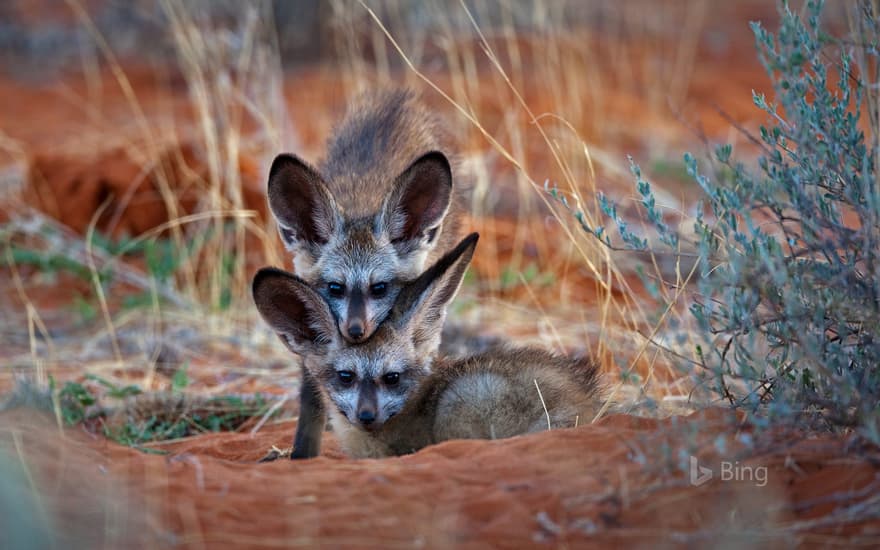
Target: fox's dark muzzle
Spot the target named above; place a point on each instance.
(368, 403)
(355, 330)
(355, 326)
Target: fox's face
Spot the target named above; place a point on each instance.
(359, 264)
(359, 273)
(370, 386)
(371, 382)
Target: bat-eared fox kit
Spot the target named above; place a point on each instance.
(374, 232)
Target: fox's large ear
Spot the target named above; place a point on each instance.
(422, 303)
(301, 203)
(419, 200)
(297, 313)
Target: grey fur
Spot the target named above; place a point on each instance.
(493, 395)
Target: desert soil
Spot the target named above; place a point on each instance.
(622, 480)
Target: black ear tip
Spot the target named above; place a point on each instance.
(438, 158)
(285, 160)
(468, 243)
(279, 163)
(263, 275)
(267, 274)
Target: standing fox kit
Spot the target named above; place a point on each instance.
(367, 219)
(375, 211)
(391, 395)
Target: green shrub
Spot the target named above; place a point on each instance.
(788, 282)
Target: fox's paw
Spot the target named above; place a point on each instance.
(275, 453)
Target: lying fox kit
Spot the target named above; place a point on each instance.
(391, 395)
(373, 213)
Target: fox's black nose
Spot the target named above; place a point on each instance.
(356, 331)
(366, 417)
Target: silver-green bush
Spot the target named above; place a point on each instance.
(788, 286)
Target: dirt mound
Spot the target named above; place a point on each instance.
(140, 195)
(622, 480)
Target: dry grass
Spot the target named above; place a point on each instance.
(526, 89)
(528, 103)
(496, 79)
(203, 314)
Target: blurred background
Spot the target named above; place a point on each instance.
(136, 139)
(135, 142)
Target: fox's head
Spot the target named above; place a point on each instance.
(372, 381)
(358, 264)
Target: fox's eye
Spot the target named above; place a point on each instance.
(336, 290)
(378, 290)
(345, 376)
(391, 378)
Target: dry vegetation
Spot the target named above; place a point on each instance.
(536, 94)
(131, 233)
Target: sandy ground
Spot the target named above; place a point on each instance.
(623, 480)
(68, 147)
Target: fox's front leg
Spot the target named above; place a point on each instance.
(312, 417)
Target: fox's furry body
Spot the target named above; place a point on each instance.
(380, 137)
(493, 395)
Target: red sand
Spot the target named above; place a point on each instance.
(621, 481)
(616, 482)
